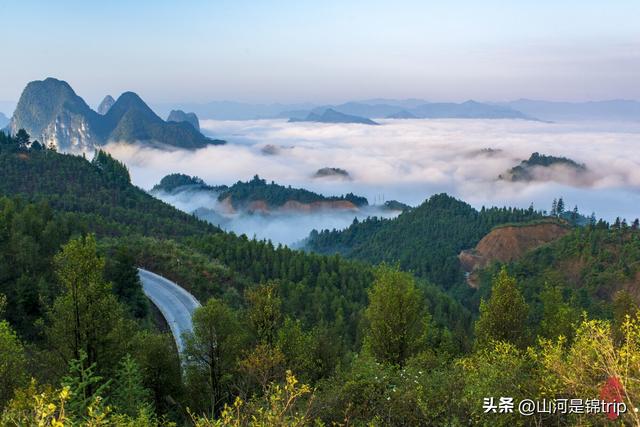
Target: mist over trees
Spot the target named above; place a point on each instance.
(286, 337)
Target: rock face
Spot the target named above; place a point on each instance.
(106, 105)
(508, 243)
(180, 116)
(332, 116)
(51, 112)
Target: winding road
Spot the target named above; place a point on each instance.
(176, 304)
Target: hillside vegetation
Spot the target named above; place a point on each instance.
(289, 338)
(425, 240)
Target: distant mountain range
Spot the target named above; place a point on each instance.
(231, 110)
(614, 110)
(372, 109)
(439, 110)
(50, 111)
(332, 116)
(368, 109)
(617, 110)
(402, 114)
(181, 116)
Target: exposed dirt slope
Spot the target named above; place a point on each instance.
(508, 243)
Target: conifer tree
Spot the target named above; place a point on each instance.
(129, 394)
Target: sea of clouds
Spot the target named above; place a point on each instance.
(406, 160)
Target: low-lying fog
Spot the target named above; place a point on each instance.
(280, 227)
(406, 160)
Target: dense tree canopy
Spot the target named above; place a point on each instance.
(370, 345)
(425, 240)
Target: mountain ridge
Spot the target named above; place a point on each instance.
(105, 105)
(181, 116)
(50, 111)
(330, 115)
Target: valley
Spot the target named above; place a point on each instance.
(319, 214)
(218, 268)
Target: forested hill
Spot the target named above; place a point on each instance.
(425, 240)
(277, 195)
(176, 182)
(525, 171)
(257, 190)
(96, 193)
(589, 266)
(97, 196)
(299, 338)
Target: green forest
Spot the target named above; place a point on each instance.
(425, 240)
(371, 326)
(241, 194)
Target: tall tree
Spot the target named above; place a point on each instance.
(264, 312)
(121, 271)
(396, 316)
(86, 318)
(503, 317)
(22, 138)
(13, 362)
(159, 363)
(558, 317)
(560, 207)
(213, 347)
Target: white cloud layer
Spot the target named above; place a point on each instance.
(409, 160)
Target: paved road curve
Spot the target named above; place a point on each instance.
(176, 304)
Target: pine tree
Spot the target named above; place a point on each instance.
(22, 138)
(560, 207)
(574, 215)
(85, 386)
(121, 271)
(129, 395)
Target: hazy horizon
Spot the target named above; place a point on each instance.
(407, 161)
(161, 108)
(326, 53)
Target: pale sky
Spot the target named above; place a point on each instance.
(325, 51)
